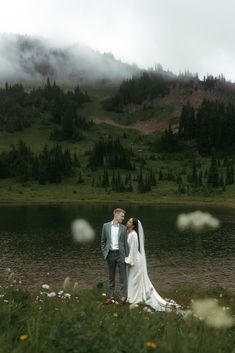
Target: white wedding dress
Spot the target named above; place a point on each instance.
(140, 288)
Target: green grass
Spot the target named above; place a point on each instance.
(13, 192)
(83, 324)
(156, 112)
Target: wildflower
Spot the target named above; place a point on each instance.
(67, 283)
(104, 294)
(187, 314)
(196, 221)
(45, 286)
(67, 295)
(60, 292)
(51, 294)
(147, 310)
(76, 287)
(213, 315)
(11, 276)
(151, 344)
(82, 231)
(115, 314)
(133, 306)
(23, 337)
(6, 301)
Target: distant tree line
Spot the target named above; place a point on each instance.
(110, 153)
(19, 107)
(48, 166)
(212, 126)
(147, 86)
(117, 182)
(217, 176)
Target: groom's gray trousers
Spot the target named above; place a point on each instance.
(113, 259)
(116, 257)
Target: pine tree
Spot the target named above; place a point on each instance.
(213, 174)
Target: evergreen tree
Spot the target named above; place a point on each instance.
(213, 174)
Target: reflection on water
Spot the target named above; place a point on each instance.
(36, 244)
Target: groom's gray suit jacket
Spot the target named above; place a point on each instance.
(106, 240)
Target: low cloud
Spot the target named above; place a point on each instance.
(32, 59)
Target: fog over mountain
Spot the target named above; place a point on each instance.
(30, 59)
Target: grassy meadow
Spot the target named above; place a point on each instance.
(78, 321)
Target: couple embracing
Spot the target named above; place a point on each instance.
(124, 246)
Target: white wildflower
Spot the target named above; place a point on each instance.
(196, 221)
(212, 313)
(187, 314)
(76, 287)
(67, 295)
(67, 283)
(104, 294)
(51, 294)
(133, 306)
(45, 286)
(60, 292)
(11, 276)
(82, 231)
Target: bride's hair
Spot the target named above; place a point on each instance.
(136, 228)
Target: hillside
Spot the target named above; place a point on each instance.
(136, 105)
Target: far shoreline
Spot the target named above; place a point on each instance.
(167, 201)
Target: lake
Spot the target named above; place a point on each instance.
(37, 246)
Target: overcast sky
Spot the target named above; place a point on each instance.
(194, 35)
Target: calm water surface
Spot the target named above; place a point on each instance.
(36, 244)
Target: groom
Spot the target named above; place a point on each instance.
(114, 248)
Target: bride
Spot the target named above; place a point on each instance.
(140, 288)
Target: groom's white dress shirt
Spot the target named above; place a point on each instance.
(114, 237)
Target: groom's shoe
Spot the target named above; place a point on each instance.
(109, 301)
(120, 302)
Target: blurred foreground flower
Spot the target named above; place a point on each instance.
(196, 221)
(82, 231)
(67, 283)
(133, 306)
(11, 276)
(45, 286)
(51, 295)
(213, 315)
(150, 344)
(23, 337)
(76, 287)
